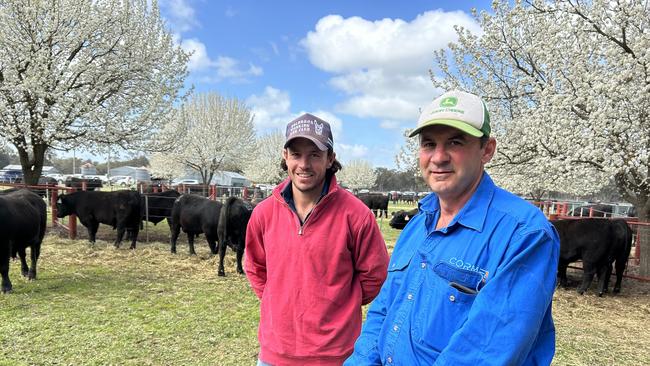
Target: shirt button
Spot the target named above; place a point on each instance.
(452, 298)
(395, 327)
(410, 296)
(389, 359)
(423, 265)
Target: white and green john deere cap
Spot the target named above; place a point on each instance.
(464, 111)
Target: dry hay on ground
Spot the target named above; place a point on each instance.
(608, 330)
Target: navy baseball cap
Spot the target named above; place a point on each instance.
(313, 128)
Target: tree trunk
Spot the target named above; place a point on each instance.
(32, 166)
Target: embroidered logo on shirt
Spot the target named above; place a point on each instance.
(468, 266)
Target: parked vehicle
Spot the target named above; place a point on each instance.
(10, 176)
(179, 182)
(60, 178)
(121, 180)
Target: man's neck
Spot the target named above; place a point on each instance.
(304, 202)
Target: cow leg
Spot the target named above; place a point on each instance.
(4, 267)
(120, 235)
(561, 273)
(240, 255)
(222, 254)
(134, 238)
(92, 230)
(35, 251)
(604, 272)
(24, 269)
(190, 241)
(588, 275)
(620, 268)
(175, 231)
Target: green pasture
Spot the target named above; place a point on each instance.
(97, 305)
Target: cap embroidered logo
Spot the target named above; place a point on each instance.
(449, 102)
(318, 128)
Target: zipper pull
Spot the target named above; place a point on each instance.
(300, 231)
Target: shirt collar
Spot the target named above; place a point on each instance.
(287, 193)
(473, 214)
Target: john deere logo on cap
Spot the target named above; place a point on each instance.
(449, 102)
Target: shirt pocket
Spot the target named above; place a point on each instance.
(446, 298)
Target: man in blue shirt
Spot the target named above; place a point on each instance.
(471, 278)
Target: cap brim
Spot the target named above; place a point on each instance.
(318, 144)
(460, 125)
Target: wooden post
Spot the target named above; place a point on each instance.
(54, 197)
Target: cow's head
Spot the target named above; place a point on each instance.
(63, 208)
(399, 220)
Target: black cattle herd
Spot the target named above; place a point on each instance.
(598, 242)
(23, 220)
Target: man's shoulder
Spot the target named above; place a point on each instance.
(517, 208)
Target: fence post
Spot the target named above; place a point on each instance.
(643, 244)
(72, 220)
(53, 198)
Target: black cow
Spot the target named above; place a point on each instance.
(23, 220)
(376, 202)
(401, 218)
(620, 251)
(195, 215)
(158, 206)
(235, 214)
(598, 242)
(119, 209)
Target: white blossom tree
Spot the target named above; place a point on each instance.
(84, 73)
(568, 85)
(357, 174)
(263, 166)
(218, 134)
(162, 166)
(407, 157)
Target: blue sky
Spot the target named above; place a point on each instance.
(361, 65)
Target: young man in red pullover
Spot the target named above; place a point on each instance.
(314, 255)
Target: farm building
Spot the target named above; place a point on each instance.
(138, 174)
(224, 178)
(47, 169)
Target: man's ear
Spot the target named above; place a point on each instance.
(490, 149)
(330, 159)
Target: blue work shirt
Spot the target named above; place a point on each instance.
(477, 292)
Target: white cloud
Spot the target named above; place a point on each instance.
(351, 152)
(199, 60)
(343, 44)
(230, 12)
(390, 125)
(229, 68)
(272, 109)
(383, 65)
(179, 14)
(223, 67)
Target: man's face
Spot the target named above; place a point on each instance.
(306, 166)
(452, 161)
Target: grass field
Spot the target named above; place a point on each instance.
(96, 305)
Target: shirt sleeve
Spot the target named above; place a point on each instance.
(370, 258)
(255, 264)
(507, 314)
